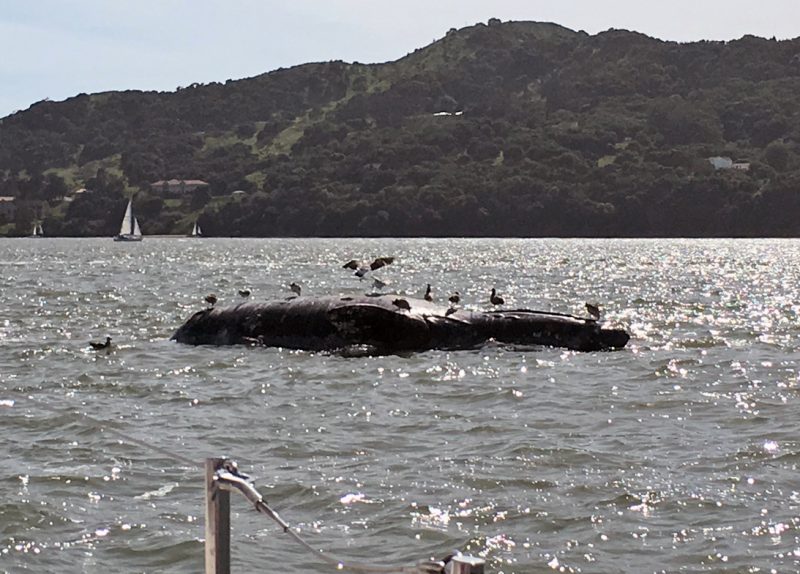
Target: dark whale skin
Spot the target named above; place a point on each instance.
(377, 323)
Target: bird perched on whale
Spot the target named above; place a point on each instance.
(428, 297)
(455, 298)
(211, 299)
(296, 289)
(593, 310)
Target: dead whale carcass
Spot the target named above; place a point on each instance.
(388, 324)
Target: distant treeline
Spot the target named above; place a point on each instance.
(505, 129)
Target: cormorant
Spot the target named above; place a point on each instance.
(101, 346)
(496, 299)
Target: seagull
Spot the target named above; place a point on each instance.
(428, 296)
(244, 292)
(362, 269)
(450, 311)
(496, 299)
(455, 298)
(380, 262)
(378, 284)
(401, 304)
(211, 299)
(352, 264)
(593, 310)
(295, 288)
(100, 346)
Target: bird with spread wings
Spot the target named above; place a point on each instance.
(362, 269)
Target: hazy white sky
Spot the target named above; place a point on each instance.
(59, 48)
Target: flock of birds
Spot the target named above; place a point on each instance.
(361, 269)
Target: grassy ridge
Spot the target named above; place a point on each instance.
(547, 131)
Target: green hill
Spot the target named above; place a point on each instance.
(507, 129)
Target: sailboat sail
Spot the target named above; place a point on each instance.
(127, 220)
(129, 229)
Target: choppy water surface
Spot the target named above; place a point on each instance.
(678, 454)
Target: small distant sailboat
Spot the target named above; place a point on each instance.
(129, 230)
(37, 230)
(196, 231)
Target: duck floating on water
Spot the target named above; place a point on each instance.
(100, 346)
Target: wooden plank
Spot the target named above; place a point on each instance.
(218, 523)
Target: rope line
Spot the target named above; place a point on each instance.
(232, 479)
(227, 476)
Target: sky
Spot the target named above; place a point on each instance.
(59, 48)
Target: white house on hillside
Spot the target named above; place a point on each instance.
(721, 162)
(178, 185)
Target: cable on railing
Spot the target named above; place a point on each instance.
(228, 477)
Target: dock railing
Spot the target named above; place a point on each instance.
(222, 476)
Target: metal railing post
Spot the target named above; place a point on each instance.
(464, 564)
(218, 522)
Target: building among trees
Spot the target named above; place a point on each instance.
(178, 186)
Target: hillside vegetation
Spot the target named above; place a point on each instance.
(547, 132)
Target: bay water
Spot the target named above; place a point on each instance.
(677, 454)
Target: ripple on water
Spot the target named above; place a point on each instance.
(679, 453)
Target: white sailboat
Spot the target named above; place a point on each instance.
(37, 230)
(129, 230)
(196, 231)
